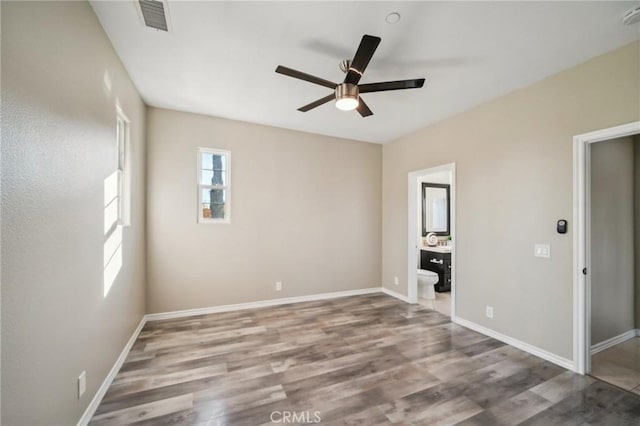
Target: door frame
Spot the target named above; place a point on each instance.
(412, 249)
(581, 237)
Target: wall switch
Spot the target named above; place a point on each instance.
(489, 312)
(279, 286)
(542, 250)
(396, 281)
(82, 384)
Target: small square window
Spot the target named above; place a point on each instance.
(214, 204)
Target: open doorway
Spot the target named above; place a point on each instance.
(607, 260)
(431, 238)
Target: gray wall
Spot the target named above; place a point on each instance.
(636, 215)
(514, 165)
(305, 211)
(612, 239)
(58, 146)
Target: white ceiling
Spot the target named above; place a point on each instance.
(219, 57)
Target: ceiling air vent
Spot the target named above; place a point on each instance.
(153, 13)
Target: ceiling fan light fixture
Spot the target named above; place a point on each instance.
(347, 96)
(347, 104)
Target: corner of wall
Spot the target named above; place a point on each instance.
(636, 215)
(0, 230)
(147, 113)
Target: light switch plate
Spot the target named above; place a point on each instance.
(542, 250)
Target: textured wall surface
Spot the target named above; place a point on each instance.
(514, 165)
(305, 211)
(61, 81)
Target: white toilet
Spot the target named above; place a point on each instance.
(426, 281)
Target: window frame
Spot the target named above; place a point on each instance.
(123, 167)
(226, 187)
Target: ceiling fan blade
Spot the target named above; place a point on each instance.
(306, 77)
(368, 46)
(391, 85)
(363, 109)
(317, 103)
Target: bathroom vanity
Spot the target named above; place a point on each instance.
(438, 260)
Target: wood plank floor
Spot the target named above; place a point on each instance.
(619, 365)
(442, 303)
(365, 360)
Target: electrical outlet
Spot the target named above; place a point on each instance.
(396, 281)
(82, 384)
(489, 312)
(278, 285)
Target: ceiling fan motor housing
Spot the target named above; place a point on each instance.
(347, 96)
(346, 90)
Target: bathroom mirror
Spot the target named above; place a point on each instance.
(435, 209)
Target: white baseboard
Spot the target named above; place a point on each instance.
(102, 390)
(259, 304)
(396, 295)
(615, 340)
(533, 350)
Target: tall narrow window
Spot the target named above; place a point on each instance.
(117, 201)
(214, 203)
(124, 170)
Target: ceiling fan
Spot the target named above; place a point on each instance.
(347, 93)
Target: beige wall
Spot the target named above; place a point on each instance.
(513, 160)
(612, 239)
(305, 211)
(58, 146)
(0, 216)
(636, 215)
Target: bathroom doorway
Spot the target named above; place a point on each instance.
(606, 255)
(431, 238)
